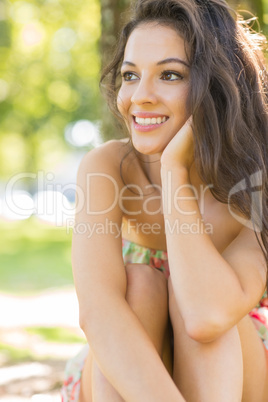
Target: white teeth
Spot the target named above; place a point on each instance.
(149, 122)
(140, 121)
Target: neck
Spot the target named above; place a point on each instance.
(152, 166)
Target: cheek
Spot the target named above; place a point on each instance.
(122, 102)
(185, 97)
(123, 107)
(181, 109)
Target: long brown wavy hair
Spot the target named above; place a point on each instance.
(227, 98)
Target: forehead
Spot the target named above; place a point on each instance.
(152, 40)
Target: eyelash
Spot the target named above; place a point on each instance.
(179, 76)
(166, 72)
(123, 75)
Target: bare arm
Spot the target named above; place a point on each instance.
(120, 345)
(213, 291)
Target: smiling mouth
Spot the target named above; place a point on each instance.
(154, 121)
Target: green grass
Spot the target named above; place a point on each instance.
(56, 334)
(33, 256)
(10, 354)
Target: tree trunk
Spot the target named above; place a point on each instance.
(112, 19)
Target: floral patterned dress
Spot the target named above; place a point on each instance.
(134, 253)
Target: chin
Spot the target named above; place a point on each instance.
(147, 149)
(148, 146)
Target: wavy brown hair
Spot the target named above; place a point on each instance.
(227, 98)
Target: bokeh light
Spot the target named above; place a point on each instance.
(64, 39)
(17, 206)
(82, 133)
(53, 207)
(32, 34)
(4, 90)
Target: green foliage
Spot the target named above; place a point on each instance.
(49, 69)
(33, 256)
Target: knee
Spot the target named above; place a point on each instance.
(180, 325)
(147, 296)
(145, 284)
(101, 386)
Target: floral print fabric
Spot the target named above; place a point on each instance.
(72, 377)
(134, 253)
(259, 316)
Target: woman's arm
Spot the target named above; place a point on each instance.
(213, 291)
(119, 343)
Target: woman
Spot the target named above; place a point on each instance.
(189, 82)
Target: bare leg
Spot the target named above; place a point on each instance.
(102, 390)
(148, 297)
(255, 360)
(85, 394)
(206, 372)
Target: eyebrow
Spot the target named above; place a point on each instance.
(165, 61)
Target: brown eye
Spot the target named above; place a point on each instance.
(128, 76)
(170, 76)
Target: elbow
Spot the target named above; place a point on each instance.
(91, 326)
(84, 322)
(204, 329)
(88, 319)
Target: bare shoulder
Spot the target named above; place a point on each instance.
(99, 183)
(105, 158)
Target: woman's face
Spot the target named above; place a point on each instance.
(155, 85)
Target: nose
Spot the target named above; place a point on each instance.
(144, 93)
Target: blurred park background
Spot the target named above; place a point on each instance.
(51, 114)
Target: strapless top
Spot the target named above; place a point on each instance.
(135, 253)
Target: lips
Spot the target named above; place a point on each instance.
(144, 121)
